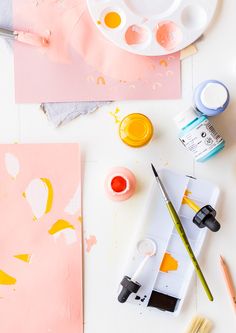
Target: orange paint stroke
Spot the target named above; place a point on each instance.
(101, 80)
(90, 242)
(169, 263)
(163, 63)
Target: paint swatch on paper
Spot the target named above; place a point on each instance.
(79, 54)
(169, 263)
(41, 262)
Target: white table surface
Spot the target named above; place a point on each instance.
(114, 223)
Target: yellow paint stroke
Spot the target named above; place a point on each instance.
(6, 279)
(169, 263)
(24, 257)
(163, 63)
(191, 204)
(23, 195)
(112, 20)
(101, 80)
(115, 116)
(50, 194)
(59, 226)
(99, 22)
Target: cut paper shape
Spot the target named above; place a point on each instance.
(90, 242)
(169, 263)
(39, 195)
(62, 227)
(6, 279)
(78, 50)
(74, 204)
(24, 257)
(12, 165)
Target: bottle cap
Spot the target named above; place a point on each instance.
(184, 118)
(136, 130)
(211, 97)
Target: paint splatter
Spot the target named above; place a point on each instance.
(6, 279)
(90, 242)
(116, 116)
(169, 263)
(101, 81)
(59, 226)
(24, 257)
(163, 63)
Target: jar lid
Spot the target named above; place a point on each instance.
(184, 118)
(136, 130)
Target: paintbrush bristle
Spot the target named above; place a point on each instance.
(199, 325)
(154, 171)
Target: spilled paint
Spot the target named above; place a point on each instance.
(90, 242)
(24, 257)
(116, 116)
(6, 279)
(169, 263)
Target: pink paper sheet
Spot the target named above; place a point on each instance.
(43, 294)
(80, 64)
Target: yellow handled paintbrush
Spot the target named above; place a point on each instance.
(179, 227)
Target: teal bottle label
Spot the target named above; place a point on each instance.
(202, 139)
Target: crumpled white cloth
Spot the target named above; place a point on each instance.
(57, 113)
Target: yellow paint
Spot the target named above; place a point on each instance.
(112, 20)
(115, 116)
(23, 195)
(50, 194)
(187, 193)
(136, 130)
(163, 63)
(80, 219)
(191, 204)
(24, 257)
(59, 226)
(168, 264)
(101, 80)
(99, 22)
(6, 279)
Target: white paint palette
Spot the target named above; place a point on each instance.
(164, 283)
(152, 27)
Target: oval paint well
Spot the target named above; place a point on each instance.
(112, 20)
(136, 35)
(169, 35)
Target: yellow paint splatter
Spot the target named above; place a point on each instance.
(23, 195)
(50, 194)
(99, 22)
(59, 226)
(6, 279)
(169, 264)
(101, 80)
(163, 63)
(115, 116)
(80, 219)
(24, 257)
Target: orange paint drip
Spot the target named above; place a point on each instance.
(112, 20)
(169, 263)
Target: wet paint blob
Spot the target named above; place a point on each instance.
(169, 263)
(136, 35)
(169, 35)
(112, 20)
(118, 184)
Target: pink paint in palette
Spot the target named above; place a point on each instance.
(41, 239)
(80, 64)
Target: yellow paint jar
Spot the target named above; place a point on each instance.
(136, 130)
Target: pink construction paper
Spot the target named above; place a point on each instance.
(80, 64)
(48, 294)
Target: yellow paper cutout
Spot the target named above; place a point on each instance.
(24, 257)
(59, 226)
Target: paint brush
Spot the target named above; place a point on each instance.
(228, 282)
(179, 227)
(25, 37)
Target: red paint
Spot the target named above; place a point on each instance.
(118, 184)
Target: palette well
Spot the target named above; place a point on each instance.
(165, 279)
(152, 28)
